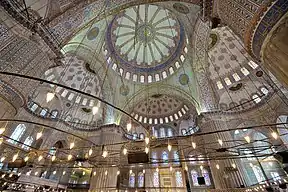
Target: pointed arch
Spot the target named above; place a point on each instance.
(17, 134)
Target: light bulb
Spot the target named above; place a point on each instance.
(146, 150)
(90, 152)
(19, 174)
(124, 151)
(36, 173)
(143, 170)
(147, 140)
(186, 168)
(130, 171)
(171, 168)
(274, 135)
(217, 166)
(54, 172)
(49, 97)
(1, 140)
(39, 135)
(118, 172)
(106, 172)
(95, 110)
(40, 158)
(105, 154)
(220, 142)
(169, 147)
(194, 145)
(83, 173)
(26, 158)
(234, 165)
(53, 158)
(64, 172)
(2, 159)
(69, 157)
(3, 175)
(201, 167)
(157, 169)
(2, 130)
(72, 145)
(251, 165)
(15, 157)
(94, 173)
(11, 174)
(129, 126)
(247, 138)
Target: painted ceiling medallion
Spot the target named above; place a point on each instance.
(145, 39)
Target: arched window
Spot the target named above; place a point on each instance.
(140, 179)
(179, 180)
(206, 176)
(258, 173)
(155, 179)
(141, 136)
(154, 158)
(135, 136)
(28, 142)
(264, 90)
(54, 114)
(162, 132)
(33, 107)
(256, 98)
(132, 180)
(52, 151)
(176, 158)
(17, 134)
(43, 112)
(282, 128)
(275, 176)
(170, 133)
(183, 131)
(156, 133)
(165, 157)
(194, 176)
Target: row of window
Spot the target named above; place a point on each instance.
(236, 76)
(164, 157)
(17, 135)
(143, 78)
(43, 112)
(167, 119)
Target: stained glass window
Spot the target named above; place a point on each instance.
(206, 176)
(176, 157)
(275, 176)
(156, 179)
(165, 157)
(194, 176)
(162, 132)
(140, 179)
(54, 114)
(179, 180)
(52, 151)
(28, 142)
(258, 173)
(170, 132)
(17, 133)
(154, 158)
(183, 131)
(132, 180)
(43, 112)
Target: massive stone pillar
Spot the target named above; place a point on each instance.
(106, 174)
(224, 176)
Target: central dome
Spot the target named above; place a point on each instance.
(145, 39)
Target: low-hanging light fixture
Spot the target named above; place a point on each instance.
(194, 145)
(146, 150)
(247, 138)
(90, 152)
(124, 151)
(169, 147)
